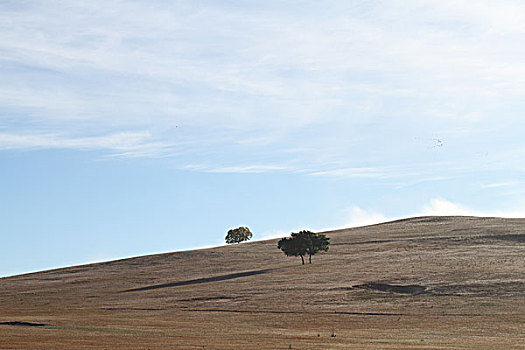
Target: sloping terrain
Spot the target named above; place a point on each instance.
(421, 283)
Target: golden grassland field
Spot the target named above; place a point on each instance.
(420, 283)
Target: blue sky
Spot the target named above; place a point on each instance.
(129, 127)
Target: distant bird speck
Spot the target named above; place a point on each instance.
(431, 142)
(438, 143)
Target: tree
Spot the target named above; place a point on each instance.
(238, 235)
(304, 243)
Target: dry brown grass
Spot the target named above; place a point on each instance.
(422, 283)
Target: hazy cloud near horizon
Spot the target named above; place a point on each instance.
(355, 216)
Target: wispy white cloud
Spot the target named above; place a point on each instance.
(360, 217)
(440, 206)
(499, 184)
(352, 82)
(128, 144)
(354, 172)
(444, 207)
(367, 172)
(256, 55)
(237, 169)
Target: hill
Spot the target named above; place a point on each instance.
(420, 283)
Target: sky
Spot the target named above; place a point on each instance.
(140, 127)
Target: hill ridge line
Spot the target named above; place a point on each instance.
(93, 264)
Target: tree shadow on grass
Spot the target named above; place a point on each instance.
(200, 280)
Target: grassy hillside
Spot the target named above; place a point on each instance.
(421, 283)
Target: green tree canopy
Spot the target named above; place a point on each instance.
(238, 235)
(304, 243)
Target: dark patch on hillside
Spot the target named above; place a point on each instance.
(412, 289)
(22, 324)
(517, 237)
(221, 297)
(131, 309)
(434, 219)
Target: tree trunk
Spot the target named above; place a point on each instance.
(310, 258)
(302, 259)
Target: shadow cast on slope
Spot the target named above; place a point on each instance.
(22, 324)
(200, 280)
